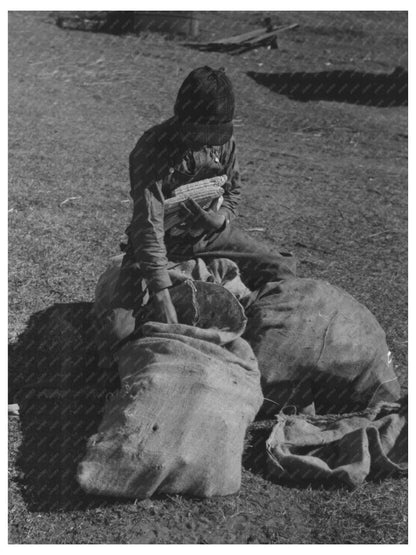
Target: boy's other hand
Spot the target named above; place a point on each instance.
(208, 220)
(166, 307)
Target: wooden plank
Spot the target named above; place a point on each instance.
(270, 34)
(253, 40)
(239, 38)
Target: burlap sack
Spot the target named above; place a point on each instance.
(178, 423)
(316, 344)
(340, 449)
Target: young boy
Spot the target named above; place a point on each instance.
(195, 144)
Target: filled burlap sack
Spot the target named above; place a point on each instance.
(317, 345)
(177, 425)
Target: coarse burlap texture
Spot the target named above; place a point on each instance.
(221, 271)
(204, 305)
(178, 423)
(344, 449)
(317, 345)
(113, 324)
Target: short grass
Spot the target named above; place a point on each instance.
(327, 180)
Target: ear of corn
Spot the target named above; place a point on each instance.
(203, 192)
(199, 196)
(217, 181)
(172, 217)
(206, 186)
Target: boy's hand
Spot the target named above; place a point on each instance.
(206, 219)
(166, 306)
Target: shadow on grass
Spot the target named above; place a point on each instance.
(355, 87)
(54, 377)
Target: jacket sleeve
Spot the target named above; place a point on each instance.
(233, 185)
(146, 230)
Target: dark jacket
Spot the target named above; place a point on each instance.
(158, 164)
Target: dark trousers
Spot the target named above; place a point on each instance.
(258, 263)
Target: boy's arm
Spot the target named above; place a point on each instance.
(146, 230)
(233, 185)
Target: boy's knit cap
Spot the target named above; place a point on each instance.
(204, 107)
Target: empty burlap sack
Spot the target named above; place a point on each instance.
(345, 449)
(316, 344)
(178, 423)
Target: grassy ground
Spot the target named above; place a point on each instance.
(327, 180)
